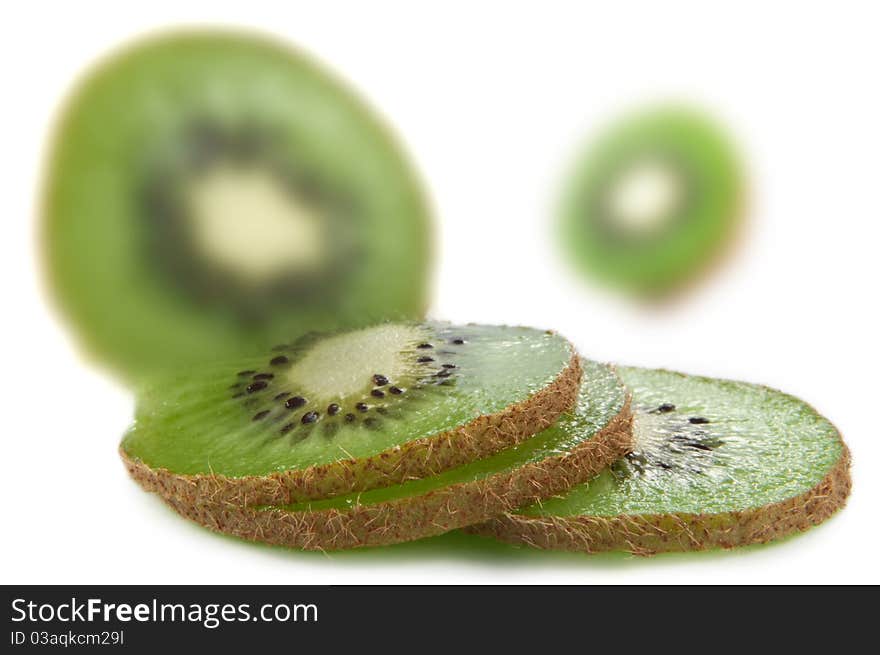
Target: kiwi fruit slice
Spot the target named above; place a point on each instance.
(348, 411)
(715, 464)
(576, 447)
(652, 204)
(209, 194)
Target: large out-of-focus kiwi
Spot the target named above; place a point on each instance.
(348, 411)
(715, 464)
(651, 204)
(211, 193)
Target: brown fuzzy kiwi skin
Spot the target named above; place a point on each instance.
(482, 437)
(649, 534)
(419, 516)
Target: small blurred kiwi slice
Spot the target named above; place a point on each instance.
(652, 204)
(715, 464)
(210, 193)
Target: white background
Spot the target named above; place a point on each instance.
(491, 99)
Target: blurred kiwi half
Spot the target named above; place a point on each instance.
(211, 193)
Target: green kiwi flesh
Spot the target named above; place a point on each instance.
(715, 463)
(211, 193)
(578, 445)
(652, 204)
(433, 393)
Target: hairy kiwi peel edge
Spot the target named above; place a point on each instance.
(420, 516)
(649, 534)
(419, 458)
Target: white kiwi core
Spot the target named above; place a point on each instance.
(645, 197)
(247, 222)
(342, 366)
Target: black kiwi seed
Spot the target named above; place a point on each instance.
(277, 361)
(260, 415)
(263, 376)
(380, 380)
(283, 394)
(425, 360)
(309, 417)
(377, 393)
(698, 420)
(697, 445)
(295, 402)
(332, 409)
(246, 373)
(395, 390)
(665, 408)
(287, 427)
(448, 365)
(423, 346)
(443, 374)
(256, 386)
(457, 341)
(362, 407)
(349, 418)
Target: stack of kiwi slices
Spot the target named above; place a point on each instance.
(232, 230)
(401, 431)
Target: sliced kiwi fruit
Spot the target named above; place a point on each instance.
(348, 411)
(576, 447)
(654, 202)
(715, 464)
(209, 194)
